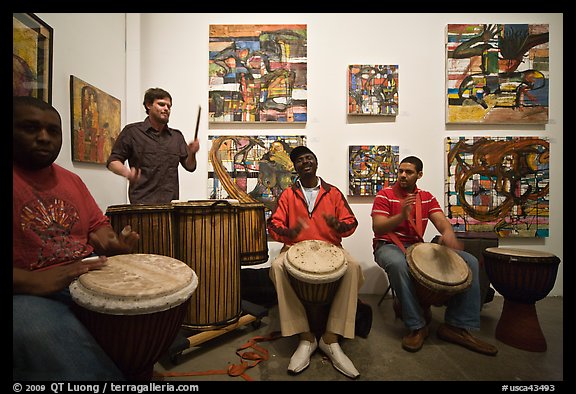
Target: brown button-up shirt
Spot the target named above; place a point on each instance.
(157, 155)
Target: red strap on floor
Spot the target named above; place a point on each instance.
(258, 355)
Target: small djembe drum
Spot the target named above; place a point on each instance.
(523, 277)
(438, 271)
(134, 307)
(315, 269)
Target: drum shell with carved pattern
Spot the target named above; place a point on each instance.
(134, 307)
(253, 237)
(153, 222)
(439, 272)
(315, 269)
(521, 275)
(208, 241)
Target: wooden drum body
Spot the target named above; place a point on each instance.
(523, 277)
(315, 269)
(208, 241)
(134, 307)
(438, 271)
(152, 222)
(253, 238)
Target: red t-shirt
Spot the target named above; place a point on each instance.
(388, 202)
(52, 214)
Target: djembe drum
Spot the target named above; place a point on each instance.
(523, 277)
(134, 307)
(253, 239)
(315, 269)
(208, 241)
(438, 271)
(152, 221)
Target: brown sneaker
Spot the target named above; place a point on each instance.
(415, 339)
(462, 337)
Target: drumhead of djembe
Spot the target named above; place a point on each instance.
(439, 272)
(134, 307)
(315, 269)
(521, 275)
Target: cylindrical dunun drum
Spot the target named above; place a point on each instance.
(315, 269)
(253, 238)
(134, 306)
(438, 271)
(208, 241)
(523, 277)
(152, 222)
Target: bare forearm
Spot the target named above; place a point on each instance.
(383, 225)
(119, 168)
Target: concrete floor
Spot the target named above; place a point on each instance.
(380, 357)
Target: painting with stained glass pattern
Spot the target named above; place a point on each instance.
(499, 185)
(373, 89)
(371, 168)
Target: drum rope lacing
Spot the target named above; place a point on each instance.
(257, 356)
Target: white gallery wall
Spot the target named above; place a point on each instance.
(138, 51)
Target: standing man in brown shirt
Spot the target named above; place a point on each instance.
(153, 151)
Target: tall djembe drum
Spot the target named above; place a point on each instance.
(134, 307)
(523, 277)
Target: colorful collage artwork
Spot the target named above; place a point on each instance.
(251, 168)
(498, 184)
(370, 168)
(257, 73)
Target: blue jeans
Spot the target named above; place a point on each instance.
(462, 310)
(49, 343)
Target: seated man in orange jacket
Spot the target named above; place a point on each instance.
(312, 209)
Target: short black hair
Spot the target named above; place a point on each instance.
(155, 94)
(299, 151)
(30, 101)
(414, 160)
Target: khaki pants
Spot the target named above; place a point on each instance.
(342, 315)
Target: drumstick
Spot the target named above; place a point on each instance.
(197, 123)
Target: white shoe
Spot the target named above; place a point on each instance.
(301, 357)
(339, 360)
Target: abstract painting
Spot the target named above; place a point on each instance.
(497, 73)
(31, 57)
(373, 90)
(95, 122)
(251, 168)
(371, 168)
(257, 73)
(498, 184)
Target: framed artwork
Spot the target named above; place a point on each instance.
(497, 73)
(95, 122)
(371, 168)
(499, 185)
(257, 73)
(373, 90)
(32, 41)
(251, 168)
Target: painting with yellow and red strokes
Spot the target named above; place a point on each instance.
(497, 73)
(257, 73)
(499, 185)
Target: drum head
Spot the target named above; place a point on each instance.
(315, 261)
(523, 254)
(437, 263)
(134, 284)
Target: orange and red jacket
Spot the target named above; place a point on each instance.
(292, 205)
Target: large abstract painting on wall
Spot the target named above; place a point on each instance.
(257, 73)
(373, 90)
(498, 184)
(95, 122)
(251, 168)
(497, 73)
(371, 167)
